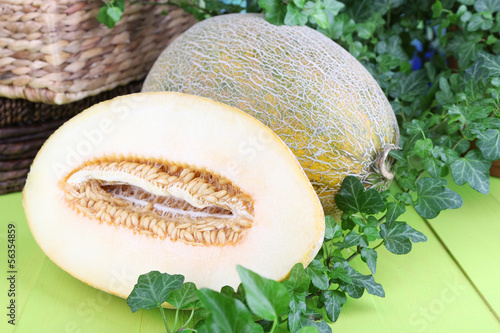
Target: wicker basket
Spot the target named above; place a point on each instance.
(30, 125)
(56, 52)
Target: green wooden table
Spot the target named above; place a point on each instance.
(451, 283)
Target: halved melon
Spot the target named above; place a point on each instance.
(170, 182)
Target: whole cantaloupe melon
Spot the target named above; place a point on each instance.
(311, 92)
(155, 181)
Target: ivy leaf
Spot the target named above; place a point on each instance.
(350, 194)
(393, 46)
(226, 314)
(357, 220)
(479, 111)
(256, 328)
(473, 168)
(491, 40)
(332, 228)
(371, 202)
(445, 154)
(336, 256)
(294, 16)
(348, 223)
(275, 12)
(491, 63)
(185, 297)
(333, 6)
(354, 239)
(423, 147)
(359, 282)
(437, 9)
(228, 291)
(404, 197)
(444, 95)
(109, 16)
(371, 233)
(408, 179)
(475, 22)
(353, 197)
(489, 144)
(433, 197)
(317, 272)
(487, 5)
(414, 85)
(394, 210)
(398, 237)
(152, 289)
(416, 126)
(467, 52)
(369, 256)
(320, 17)
(298, 301)
(294, 321)
(458, 113)
(321, 326)
(477, 71)
(298, 281)
(434, 166)
(266, 298)
(299, 3)
(120, 4)
(338, 25)
(491, 123)
(308, 329)
(115, 14)
(340, 274)
(298, 321)
(372, 221)
(386, 62)
(333, 301)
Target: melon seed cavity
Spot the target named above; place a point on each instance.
(160, 199)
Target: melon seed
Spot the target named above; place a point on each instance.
(209, 212)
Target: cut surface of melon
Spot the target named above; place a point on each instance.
(174, 183)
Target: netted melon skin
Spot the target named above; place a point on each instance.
(311, 92)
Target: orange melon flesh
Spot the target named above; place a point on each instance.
(269, 201)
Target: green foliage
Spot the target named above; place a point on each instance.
(185, 297)
(299, 281)
(369, 256)
(434, 197)
(450, 102)
(152, 290)
(112, 10)
(317, 272)
(398, 237)
(226, 313)
(266, 298)
(473, 168)
(489, 144)
(155, 288)
(353, 198)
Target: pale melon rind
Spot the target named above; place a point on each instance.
(289, 221)
(317, 97)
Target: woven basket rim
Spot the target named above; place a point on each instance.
(56, 52)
